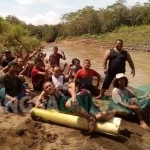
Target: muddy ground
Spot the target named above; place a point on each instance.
(18, 132)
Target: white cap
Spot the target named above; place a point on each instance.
(120, 75)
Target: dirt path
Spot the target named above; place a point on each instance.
(21, 132)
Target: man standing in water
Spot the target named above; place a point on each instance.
(117, 61)
(57, 56)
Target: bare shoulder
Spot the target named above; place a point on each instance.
(107, 53)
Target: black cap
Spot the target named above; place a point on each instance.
(12, 63)
(7, 51)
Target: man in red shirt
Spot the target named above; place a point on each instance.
(38, 75)
(57, 56)
(84, 77)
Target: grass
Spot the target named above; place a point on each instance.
(132, 36)
(138, 35)
(12, 36)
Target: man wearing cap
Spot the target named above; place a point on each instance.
(11, 88)
(57, 55)
(117, 58)
(7, 58)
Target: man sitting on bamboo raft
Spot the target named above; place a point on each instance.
(65, 99)
(126, 102)
(6, 58)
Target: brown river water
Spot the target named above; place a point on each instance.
(141, 61)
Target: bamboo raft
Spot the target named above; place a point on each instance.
(111, 127)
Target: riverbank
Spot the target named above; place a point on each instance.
(105, 44)
(135, 38)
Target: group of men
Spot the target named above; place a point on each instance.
(72, 92)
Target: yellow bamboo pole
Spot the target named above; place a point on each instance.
(111, 127)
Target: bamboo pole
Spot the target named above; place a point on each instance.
(111, 127)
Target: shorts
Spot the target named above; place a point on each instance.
(93, 89)
(85, 101)
(109, 78)
(50, 104)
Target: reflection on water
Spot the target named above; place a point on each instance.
(140, 59)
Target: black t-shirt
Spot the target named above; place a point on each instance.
(5, 61)
(12, 86)
(117, 61)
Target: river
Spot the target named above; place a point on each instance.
(141, 61)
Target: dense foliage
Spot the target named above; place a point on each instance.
(13, 33)
(95, 22)
(86, 22)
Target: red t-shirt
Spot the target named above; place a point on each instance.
(35, 76)
(85, 77)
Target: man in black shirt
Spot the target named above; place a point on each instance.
(117, 58)
(11, 88)
(7, 58)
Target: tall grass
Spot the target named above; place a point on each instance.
(12, 36)
(138, 35)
